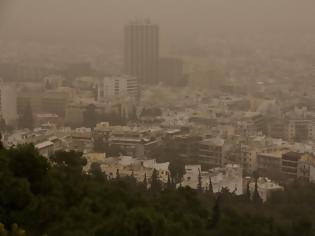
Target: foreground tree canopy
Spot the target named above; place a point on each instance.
(56, 198)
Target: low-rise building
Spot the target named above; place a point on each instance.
(45, 148)
(252, 122)
(128, 166)
(301, 130)
(269, 163)
(229, 177)
(306, 167)
(289, 164)
(265, 188)
(212, 151)
(134, 141)
(81, 140)
(248, 158)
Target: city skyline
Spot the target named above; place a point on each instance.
(157, 118)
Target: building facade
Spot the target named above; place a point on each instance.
(289, 163)
(212, 152)
(301, 130)
(8, 104)
(171, 71)
(269, 163)
(113, 87)
(142, 51)
(265, 188)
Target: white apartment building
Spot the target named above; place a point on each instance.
(127, 166)
(121, 86)
(230, 177)
(265, 188)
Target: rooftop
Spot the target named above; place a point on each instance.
(44, 145)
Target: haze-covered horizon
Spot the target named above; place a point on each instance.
(201, 123)
(95, 21)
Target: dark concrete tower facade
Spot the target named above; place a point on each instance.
(142, 51)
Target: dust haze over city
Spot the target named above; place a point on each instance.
(170, 117)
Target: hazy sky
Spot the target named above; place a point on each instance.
(102, 20)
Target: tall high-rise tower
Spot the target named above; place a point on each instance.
(142, 51)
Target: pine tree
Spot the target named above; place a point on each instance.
(145, 181)
(169, 183)
(235, 189)
(132, 177)
(216, 213)
(117, 174)
(271, 225)
(180, 185)
(155, 182)
(256, 197)
(199, 185)
(1, 144)
(105, 176)
(210, 189)
(96, 171)
(15, 230)
(248, 194)
(173, 182)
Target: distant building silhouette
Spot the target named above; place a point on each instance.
(8, 110)
(142, 51)
(171, 71)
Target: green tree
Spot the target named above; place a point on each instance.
(80, 203)
(155, 182)
(216, 213)
(169, 183)
(15, 231)
(1, 143)
(26, 162)
(210, 188)
(117, 174)
(199, 185)
(145, 181)
(248, 194)
(70, 162)
(177, 169)
(96, 172)
(256, 198)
